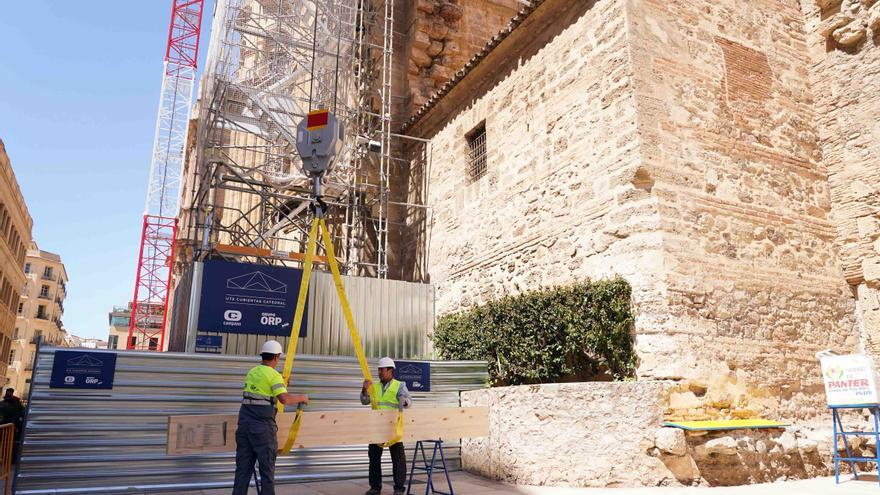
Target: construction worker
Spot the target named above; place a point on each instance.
(256, 436)
(390, 395)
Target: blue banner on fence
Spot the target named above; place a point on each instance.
(248, 298)
(209, 344)
(416, 375)
(83, 369)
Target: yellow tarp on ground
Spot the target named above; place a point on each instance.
(726, 424)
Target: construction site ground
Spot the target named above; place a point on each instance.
(468, 484)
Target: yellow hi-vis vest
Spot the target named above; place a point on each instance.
(261, 386)
(387, 400)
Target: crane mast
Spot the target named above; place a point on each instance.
(159, 230)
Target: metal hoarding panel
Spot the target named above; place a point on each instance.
(397, 326)
(109, 441)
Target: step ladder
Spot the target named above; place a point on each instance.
(839, 431)
(429, 467)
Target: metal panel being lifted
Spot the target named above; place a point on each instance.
(107, 441)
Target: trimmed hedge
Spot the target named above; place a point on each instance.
(579, 332)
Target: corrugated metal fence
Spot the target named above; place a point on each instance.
(394, 318)
(113, 441)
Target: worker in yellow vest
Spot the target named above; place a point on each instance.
(390, 395)
(256, 437)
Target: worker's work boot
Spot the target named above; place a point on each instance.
(373, 491)
(399, 492)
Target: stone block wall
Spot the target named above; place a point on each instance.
(727, 132)
(843, 42)
(675, 143)
(609, 435)
(445, 34)
(561, 199)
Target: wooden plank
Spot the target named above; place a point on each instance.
(209, 433)
(265, 253)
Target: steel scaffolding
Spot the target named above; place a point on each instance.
(269, 63)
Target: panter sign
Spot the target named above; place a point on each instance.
(849, 380)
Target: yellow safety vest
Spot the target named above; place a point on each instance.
(261, 386)
(387, 400)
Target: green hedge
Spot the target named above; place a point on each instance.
(579, 332)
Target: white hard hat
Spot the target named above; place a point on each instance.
(386, 362)
(272, 347)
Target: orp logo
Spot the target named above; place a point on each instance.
(232, 315)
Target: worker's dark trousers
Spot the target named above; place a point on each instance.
(398, 464)
(256, 441)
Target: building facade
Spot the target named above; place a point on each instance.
(40, 310)
(711, 152)
(83, 343)
(15, 236)
(119, 321)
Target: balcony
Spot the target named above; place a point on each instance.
(45, 296)
(48, 277)
(42, 316)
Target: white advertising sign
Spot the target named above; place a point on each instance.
(849, 380)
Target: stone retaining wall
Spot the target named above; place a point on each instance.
(600, 434)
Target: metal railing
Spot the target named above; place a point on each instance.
(80, 441)
(7, 439)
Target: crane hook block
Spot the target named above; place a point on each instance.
(319, 139)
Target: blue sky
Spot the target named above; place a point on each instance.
(79, 89)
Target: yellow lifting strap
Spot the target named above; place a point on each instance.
(319, 224)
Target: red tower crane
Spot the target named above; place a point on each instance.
(150, 304)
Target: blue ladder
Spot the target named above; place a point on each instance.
(841, 432)
(429, 467)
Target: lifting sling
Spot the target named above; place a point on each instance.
(319, 224)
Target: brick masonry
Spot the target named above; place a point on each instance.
(711, 152)
(443, 35)
(843, 42)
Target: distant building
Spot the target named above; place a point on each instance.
(15, 236)
(40, 309)
(84, 343)
(119, 320)
(93, 344)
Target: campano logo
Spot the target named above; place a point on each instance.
(232, 315)
(834, 372)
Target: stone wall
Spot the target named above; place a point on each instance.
(445, 34)
(727, 133)
(609, 435)
(672, 142)
(561, 199)
(844, 45)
